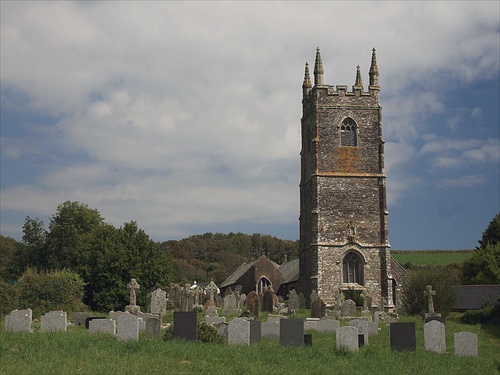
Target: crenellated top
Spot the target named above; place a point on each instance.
(357, 89)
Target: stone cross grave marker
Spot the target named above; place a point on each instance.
(429, 293)
(133, 287)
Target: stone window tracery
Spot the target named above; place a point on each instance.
(353, 268)
(348, 133)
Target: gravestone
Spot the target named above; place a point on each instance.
(362, 326)
(153, 328)
(313, 296)
(253, 304)
(293, 300)
(402, 336)
(318, 308)
(243, 331)
(18, 321)
(292, 332)
(158, 302)
(429, 293)
(185, 324)
(54, 321)
(302, 301)
(133, 288)
(270, 330)
(230, 302)
(435, 336)
(348, 309)
(90, 318)
(465, 344)
(268, 301)
(211, 308)
(347, 337)
(175, 295)
(243, 299)
(221, 328)
(79, 317)
(103, 326)
(435, 317)
(372, 328)
(311, 323)
(115, 314)
(211, 320)
(327, 325)
(127, 327)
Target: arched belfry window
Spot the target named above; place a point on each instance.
(353, 268)
(348, 133)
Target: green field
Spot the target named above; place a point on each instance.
(79, 352)
(436, 258)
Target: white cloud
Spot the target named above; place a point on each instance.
(177, 113)
(467, 181)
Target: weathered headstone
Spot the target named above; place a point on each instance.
(313, 296)
(435, 336)
(435, 317)
(429, 293)
(221, 328)
(465, 344)
(230, 302)
(185, 325)
(127, 326)
(54, 321)
(270, 330)
(347, 337)
(268, 301)
(318, 308)
(103, 326)
(211, 308)
(311, 323)
(253, 303)
(348, 309)
(362, 326)
(292, 332)
(175, 295)
(243, 331)
(90, 318)
(18, 321)
(327, 325)
(153, 328)
(402, 336)
(158, 302)
(372, 328)
(211, 320)
(293, 300)
(302, 301)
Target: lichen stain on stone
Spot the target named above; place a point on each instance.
(348, 159)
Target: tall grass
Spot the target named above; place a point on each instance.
(79, 352)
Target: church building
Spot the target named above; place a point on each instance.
(344, 240)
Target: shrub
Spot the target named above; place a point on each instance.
(442, 280)
(49, 291)
(9, 297)
(205, 333)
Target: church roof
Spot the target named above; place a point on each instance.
(290, 271)
(240, 271)
(473, 297)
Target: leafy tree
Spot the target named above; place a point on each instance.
(442, 279)
(483, 267)
(8, 248)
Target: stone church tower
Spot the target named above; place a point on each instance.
(343, 211)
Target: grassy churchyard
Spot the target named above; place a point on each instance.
(79, 352)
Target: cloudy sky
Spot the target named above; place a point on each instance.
(185, 116)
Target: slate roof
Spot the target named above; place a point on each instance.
(240, 271)
(290, 271)
(472, 297)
